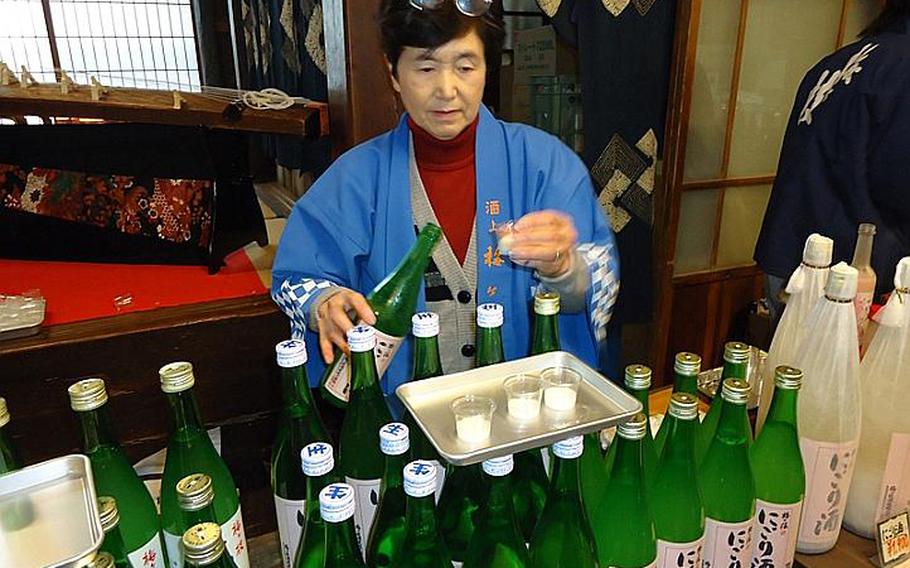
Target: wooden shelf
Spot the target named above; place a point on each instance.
(154, 106)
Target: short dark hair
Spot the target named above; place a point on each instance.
(402, 25)
(893, 11)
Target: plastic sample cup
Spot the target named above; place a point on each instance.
(560, 388)
(523, 396)
(473, 417)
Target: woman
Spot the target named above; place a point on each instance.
(450, 162)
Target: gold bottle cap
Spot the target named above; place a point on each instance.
(546, 303)
(683, 406)
(202, 544)
(87, 394)
(736, 391)
(102, 560)
(195, 492)
(108, 513)
(4, 413)
(638, 377)
(786, 377)
(736, 352)
(687, 364)
(635, 428)
(177, 377)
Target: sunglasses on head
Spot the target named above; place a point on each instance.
(466, 7)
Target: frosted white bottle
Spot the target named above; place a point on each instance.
(881, 482)
(829, 412)
(805, 287)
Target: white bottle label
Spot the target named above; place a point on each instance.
(895, 492)
(291, 518)
(727, 544)
(234, 541)
(148, 555)
(680, 554)
(774, 534)
(829, 468)
(366, 499)
(339, 380)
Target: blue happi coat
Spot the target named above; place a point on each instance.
(355, 224)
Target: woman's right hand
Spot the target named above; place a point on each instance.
(334, 318)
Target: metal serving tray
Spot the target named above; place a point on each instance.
(21, 316)
(49, 515)
(600, 404)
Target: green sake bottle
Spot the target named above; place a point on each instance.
(679, 516)
(592, 473)
(545, 334)
(393, 301)
(387, 531)
(9, 457)
(685, 370)
(299, 425)
(497, 542)
(736, 361)
(529, 479)
(202, 545)
(318, 461)
(563, 537)
(780, 479)
(423, 545)
(110, 525)
(359, 458)
(337, 505)
(726, 482)
(638, 383)
(623, 524)
(189, 451)
(459, 504)
(114, 476)
(427, 364)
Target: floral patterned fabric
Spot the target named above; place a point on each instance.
(176, 210)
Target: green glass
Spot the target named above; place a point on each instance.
(9, 457)
(593, 473)
(736, 360)
(685, 380)
(299, 425)
(545, 334)
(190, 450)
(387, 532)
(563, 537)
(638, 383)
(725, 475)
(498, 541)
(489, 342)
(341, 550)
(224, 561)
(623, 524)
(202, 509)
(393, 301)
(679, 516)
(318, 461)
(459, 503)
(110, 524)
(427, 364)
(209, 554)
(113, 474)
(423, 545)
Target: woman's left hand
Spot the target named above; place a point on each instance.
(544, 241)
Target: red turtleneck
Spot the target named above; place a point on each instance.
(447, 170)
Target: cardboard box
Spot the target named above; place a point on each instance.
(538, 52)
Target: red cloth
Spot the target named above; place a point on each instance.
(78, 291)
(447, 170)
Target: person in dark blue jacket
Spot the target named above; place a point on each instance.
(845, 158)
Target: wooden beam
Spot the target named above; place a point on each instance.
(727, 182)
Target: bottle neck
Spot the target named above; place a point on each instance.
(734, 370)
(203, 515)
(295, 391)
(565, 476)
(499, 499)
(862, 254)
(97, 431)
(641, 395)
(685, 383)
(627, 467)
(489, 346)
(733, 422)
(313, 486)
(680, 444)
(426, 358)
(363, 371)
(545, 337)
(184, 411)
(420, 518)
(783, 406)
(340, 542)
(394, 468)
(9, 458)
